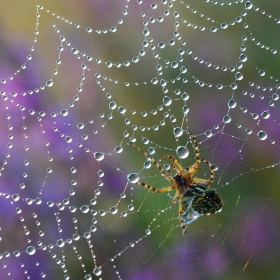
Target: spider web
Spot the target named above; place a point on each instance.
(96, 75)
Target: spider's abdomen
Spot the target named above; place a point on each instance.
(206, 201)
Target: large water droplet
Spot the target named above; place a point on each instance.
(97, 271)
(238, 76)
(248, 130)
(182, 152)
(15, 197)
(275, 96)
(154, 81)
(167, 101)
(60, 243)
(208, 133)
(262, 135)
(114, 210)
(232, 103)
(112, 105)
(68, 139)
(30, 250)
(118, 149)
(174, 64)
(80, 125)
(261, 72)
(147, 164)
(84, 209)
(148, 231)
(248, 5)
(227, 119)
(178, 131)
(243, 58)
(109, 64)
(64, 112)
(265, 114)
(133, 178)
(99, 156)
(214, 29)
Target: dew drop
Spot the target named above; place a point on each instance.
(167, 101)
(147, 164)
(124, 213)
(224, 25)
(261, 72)
(231, 103)
(73, 170)
(226, 119)
(64, 112)
(238, 76)
(174, 64)
(208, 133)
(118, 149)
(178, 131)
(275, 96)
(130, 207)
(97, 271)
(133, 178)
(243, 58)
(214, 29)
(112, 105)
(30, 250)
(68, 139)
(262, 135)
(182, 152)
(49, 83)
(154, 81)
(60, 243)
(109, 64)
(84, 209)
(186, 109)
(114, 210)
(265, 114)
(99, 156)
(215, 167)
(248, 130)
(148, 231)
(185, 96)
(248, 5)
(80, 125)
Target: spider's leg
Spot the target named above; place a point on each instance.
(169, 175)
(175, 168)
(183, 225)
(176, 163)
(168, 178)
(162, 190)
(193, 169)
(175, 197)
(196, 150)
(211, 171)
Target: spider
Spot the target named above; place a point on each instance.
(194, 195)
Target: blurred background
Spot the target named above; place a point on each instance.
(79, 84)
